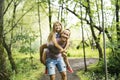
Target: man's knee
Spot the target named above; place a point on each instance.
(52, 77)
(63, 74)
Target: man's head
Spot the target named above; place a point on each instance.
(65, 35)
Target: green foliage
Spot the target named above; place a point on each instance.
(26, 49)
(95, 72)
(28, 68)
(113, 65)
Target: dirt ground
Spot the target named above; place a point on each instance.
(76, 65)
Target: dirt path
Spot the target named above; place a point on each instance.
(76, 64)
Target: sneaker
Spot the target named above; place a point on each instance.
(46, 71)
(70, 69)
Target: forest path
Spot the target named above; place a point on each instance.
(76, 65)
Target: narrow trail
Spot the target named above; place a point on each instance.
(76, 65)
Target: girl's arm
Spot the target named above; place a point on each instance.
(44, 57)
(56, 44)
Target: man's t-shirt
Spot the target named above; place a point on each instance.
(52, 51)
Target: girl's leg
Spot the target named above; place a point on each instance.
(44, 57)
(44, 61)
(67, 64)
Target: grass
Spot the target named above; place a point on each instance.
(89, 53)
(31, 68)
(91, 75)
(79, 53)
(95, 71)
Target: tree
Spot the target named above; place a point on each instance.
(3, 70)
(50, 14)
(12, 24)
(117, 21)
(91, 23)
(83, 41)
(39, 21)
(8, 47)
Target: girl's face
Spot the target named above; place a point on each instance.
(58, 27)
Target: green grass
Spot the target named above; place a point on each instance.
(91, 75)
(27, 69)
(79, 53)
(89, 53)
(34, 71)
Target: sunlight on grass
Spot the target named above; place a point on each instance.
(79, 53)
(90, 53)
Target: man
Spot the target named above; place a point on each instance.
(54, 56)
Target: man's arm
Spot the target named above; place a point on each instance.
(67, 45)
(42, 47)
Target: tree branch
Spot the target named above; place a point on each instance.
(7, 7)
(97, 27)
(18, 21)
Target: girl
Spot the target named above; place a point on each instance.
(57, 29)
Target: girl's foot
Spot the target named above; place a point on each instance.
(70, 69)
(46, 71)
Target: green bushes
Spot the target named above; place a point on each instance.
(28, 68)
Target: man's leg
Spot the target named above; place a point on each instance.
(63, 75)
(62, 68)
(50, 63)
(52, 77)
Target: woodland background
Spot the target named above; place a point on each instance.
(25, 25)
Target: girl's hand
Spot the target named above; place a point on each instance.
(64, 55)
(63, 51)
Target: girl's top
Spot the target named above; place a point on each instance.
(57, 35)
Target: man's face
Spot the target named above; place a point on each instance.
(64, 39)
(65, 35)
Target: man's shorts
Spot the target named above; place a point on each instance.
(53, 63)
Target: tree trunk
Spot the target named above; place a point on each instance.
(93, 33)
(8, 47)
(3, 70)
(12, 62)
(50, 14)
(85, 64)
(39, 20)
(117, 22)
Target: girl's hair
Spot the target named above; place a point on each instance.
(52, 33)
(55, 24)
